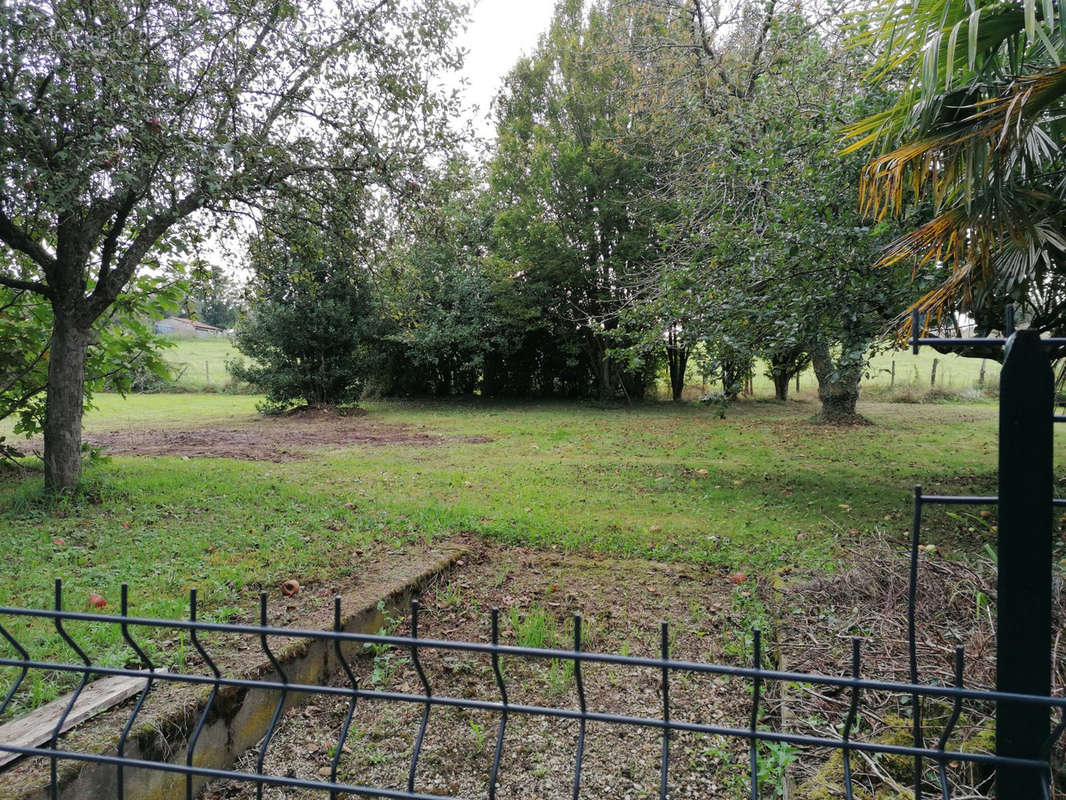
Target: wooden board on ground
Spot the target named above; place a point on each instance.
(36, 727)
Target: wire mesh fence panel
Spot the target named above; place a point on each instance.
(498, 709)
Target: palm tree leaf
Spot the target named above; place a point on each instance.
(971, 35)
(979, 134)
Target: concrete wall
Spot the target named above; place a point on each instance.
(240, 716)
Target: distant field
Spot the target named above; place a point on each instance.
(952, 372)
(200, 363)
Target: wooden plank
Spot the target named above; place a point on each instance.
(35, 728)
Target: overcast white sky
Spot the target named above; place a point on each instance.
(500, 32)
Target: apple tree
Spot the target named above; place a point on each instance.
(125, 125)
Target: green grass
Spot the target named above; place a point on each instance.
(113, 412)
(655, 480)
(953, 371)
(198, 364)
(761, 491)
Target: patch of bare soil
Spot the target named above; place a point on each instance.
(282, 438)
(622, 603)
(955, 607)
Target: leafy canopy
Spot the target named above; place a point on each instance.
(975, 132)
(310, 331)
(124, 122)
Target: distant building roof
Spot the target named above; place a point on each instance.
(200, 326)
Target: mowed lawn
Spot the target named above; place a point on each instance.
(199, 364)
(763, 491)
(758, 490)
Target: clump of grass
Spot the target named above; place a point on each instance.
(535, 629)
(916, 394)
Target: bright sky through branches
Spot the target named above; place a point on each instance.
(500, 32)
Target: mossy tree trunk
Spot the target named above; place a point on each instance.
(838, 380)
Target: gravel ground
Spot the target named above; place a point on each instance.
(622, 603)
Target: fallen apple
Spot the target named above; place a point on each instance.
(97, 600)
(290, 587)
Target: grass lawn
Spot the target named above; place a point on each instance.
(763, 491)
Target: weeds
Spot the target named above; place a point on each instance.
(383, 654)
(535, 629)
(560, 676)
(478, 730)
(750, 613)
(774, 764)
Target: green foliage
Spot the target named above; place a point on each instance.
(310, 333)
(122, 349)
(571, 225)
(133, 126)
(972, 127)
(383, 654)
(441, 321)
(212, 297)
(774, 762)
(768, 255)
(478, 732)
(534, 628)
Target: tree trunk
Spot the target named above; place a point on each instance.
(838, 387)
(677, 359)
(781, 380)
(606, 392)
(64, 405)
(607, 375)
(731, 377)
(838, 406)
(784, 364)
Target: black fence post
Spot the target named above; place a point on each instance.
(1023, 626)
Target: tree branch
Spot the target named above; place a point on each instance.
(111, 285)
(23, 373)
(17, 239)
(756, 69)
(27, 286)
(107, 252)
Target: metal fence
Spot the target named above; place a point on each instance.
(1024, 743)
(668, 720)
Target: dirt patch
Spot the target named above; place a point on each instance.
(283, 438)
(622, 603)
(324, 412)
